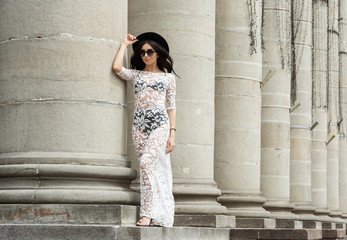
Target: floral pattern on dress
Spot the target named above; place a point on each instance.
(149, 119)
(139, 85)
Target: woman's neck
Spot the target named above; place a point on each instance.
(152, 68)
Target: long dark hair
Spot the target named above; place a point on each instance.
(164, 62)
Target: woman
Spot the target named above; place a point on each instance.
(153, 130)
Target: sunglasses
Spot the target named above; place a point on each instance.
(149, 52)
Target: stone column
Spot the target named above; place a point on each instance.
(275, 126)
(343, 107)
(189, 27)
(300, 117)
(333, 112)
(62, 110)
(238, 96)
(343, 176)
(319, 109)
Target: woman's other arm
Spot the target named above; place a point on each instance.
(171, 141)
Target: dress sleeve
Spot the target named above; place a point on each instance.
(171, 93)
(127, 74)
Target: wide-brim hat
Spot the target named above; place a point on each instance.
(152, 36)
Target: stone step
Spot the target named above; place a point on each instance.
(106, 232)
(115, 232)
(57, 232)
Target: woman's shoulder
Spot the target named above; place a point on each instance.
(172, 76)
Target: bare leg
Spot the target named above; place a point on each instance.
(150, 190)
(140, 139)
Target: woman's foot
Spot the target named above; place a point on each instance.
(145, 221)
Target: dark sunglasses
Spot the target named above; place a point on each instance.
(149, 52)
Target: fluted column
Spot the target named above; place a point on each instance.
(319, 109)
(189, 27)
(275, 139)
(238, 96)
(62, 110)
(300, 117)
(333, 110)
(343, 107)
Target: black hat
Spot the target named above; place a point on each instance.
(152, 36)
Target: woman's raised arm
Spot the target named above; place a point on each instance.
(118, 60)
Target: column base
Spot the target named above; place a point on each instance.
(344, 218)
(245, 205)
(68, 213)
(193, 197)
(280, 209)
(305, 211)
(76, 183)
(323, 215)
(197, 197)
(336, 217)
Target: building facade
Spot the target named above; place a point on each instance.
(261, 113)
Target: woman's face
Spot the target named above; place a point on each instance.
(147, 50)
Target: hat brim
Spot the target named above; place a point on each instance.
(152, 36)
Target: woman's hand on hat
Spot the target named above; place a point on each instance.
(129, 39)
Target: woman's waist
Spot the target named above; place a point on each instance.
(152, 114)
(150, 109)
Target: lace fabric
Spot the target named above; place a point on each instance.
(150, 132)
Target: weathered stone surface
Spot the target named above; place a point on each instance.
(114, 232)
(267, 234)
(250, 223)
(145, 233)
(57, 232)
(309, 224)
(62, 110)
(237, 96)
(108, 232)
(333, 233)
(301, 117)
(285, 223)
(275, 118)
(319, 110)
(217, 221)
(68, 213)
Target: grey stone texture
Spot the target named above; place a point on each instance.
(238, 96)
(62, 111)
(300, 118)
(275, 116)
(111, 232)
(107, 232)
(68, 213)
(319, 109)
(217, 221)
(343, 107)
(333, 111)
(57, 232)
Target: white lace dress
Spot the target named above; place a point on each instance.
(150, 132)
